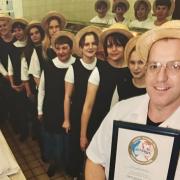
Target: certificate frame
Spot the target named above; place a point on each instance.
(144, 130)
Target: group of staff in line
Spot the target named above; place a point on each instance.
(143, 16)
(55, 80)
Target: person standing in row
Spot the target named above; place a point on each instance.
(161, 9)
(51, 101)
(137, 66)
(20, 120)
(87, 41)
(142, 8)
(102, 7)
(6, 43)
(32, 64)
(120, 7)
(33, 51)
(51, 23)
(103, 81)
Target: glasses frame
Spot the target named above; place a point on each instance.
(170, 67)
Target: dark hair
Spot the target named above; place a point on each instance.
(40, 29)
(163, 3)
(117, 39)
(100, 4)
(30, 45)
(18, 25)
(64, 40)
(142, 3)
(121, 5)
(54, 18)
(82, 40)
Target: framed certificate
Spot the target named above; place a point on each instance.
(141, 152)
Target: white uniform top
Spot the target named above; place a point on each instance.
(94, 79)
(131, 110)
(126, 21)
(10, 67)
(3, 70)
(34, 66)
(151, 23)
(69, 77)
(20, 43)
(24, 70)
(105, 20)
(10, 71)
(146, 24)
(41, 88)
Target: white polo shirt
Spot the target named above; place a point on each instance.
(131, 110)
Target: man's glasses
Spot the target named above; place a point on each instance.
(171, 67)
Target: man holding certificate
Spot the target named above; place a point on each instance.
(160, 107)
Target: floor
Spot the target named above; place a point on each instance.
(28, 155)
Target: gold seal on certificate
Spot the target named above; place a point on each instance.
(139, 151)
(143, 150)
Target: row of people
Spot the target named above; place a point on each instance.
(90, 85)
(74, 93)
(25, 48)
(162, 9)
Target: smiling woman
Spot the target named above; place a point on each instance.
(5, 22)
(76, 79)
(136, 65)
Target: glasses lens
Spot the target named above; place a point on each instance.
(154, 66)
(173, 66)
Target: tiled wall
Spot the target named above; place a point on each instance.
(79, 10)
(76, 10)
